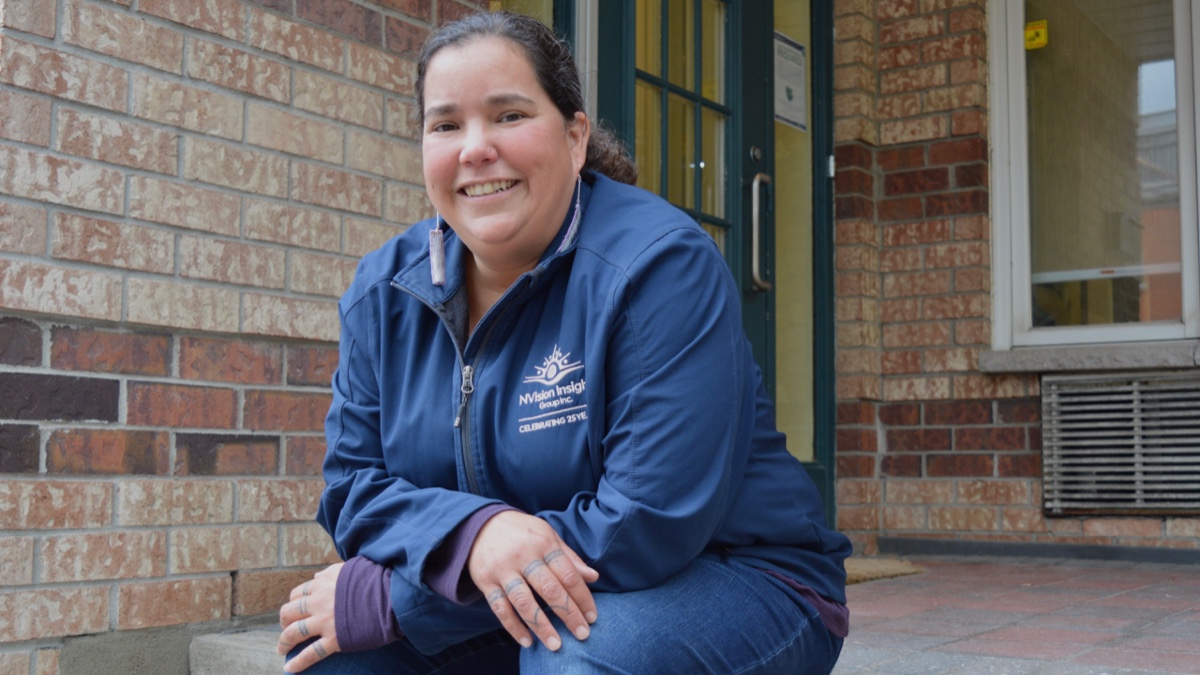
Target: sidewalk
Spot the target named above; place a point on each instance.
(1026, 615)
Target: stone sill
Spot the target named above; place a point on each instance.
(1092, 358)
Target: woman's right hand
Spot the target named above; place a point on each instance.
(514, 557)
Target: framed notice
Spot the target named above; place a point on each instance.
(790, 82)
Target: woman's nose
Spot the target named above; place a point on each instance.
(477, 146)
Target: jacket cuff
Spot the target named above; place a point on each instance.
(446, 569)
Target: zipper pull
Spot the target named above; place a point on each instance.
(468, 387)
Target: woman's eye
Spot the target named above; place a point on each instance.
(441, 127)
(511, 117)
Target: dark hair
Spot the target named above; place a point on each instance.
(555, 69)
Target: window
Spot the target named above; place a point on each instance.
(1094, 171)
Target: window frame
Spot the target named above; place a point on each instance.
(1012, 288)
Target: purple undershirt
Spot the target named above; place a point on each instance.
(363, 609)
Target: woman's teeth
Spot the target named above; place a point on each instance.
(488, 188)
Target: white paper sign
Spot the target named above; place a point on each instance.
(790, 87)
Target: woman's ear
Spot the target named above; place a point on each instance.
(579, 130)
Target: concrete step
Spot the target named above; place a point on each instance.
(243, 652)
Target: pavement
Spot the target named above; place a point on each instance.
(1026, 615)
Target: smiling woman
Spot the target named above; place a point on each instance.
(485, 495)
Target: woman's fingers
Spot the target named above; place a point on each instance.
(318, 650)
(566, 567)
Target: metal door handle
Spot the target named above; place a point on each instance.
(755, 273)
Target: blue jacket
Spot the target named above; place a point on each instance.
(611, 391)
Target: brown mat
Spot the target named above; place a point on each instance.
(870, 569)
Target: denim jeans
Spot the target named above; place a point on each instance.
(713, 616)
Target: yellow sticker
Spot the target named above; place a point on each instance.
(1037, 34)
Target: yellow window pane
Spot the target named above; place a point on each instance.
(647, 151)
(648, 30)
(542, 10)
(712, 167)
(712, 63)
(681, 151)
(681, 43)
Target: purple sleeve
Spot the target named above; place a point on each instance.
(362, 606)
(445, 569)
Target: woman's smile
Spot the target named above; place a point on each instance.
(484, 189)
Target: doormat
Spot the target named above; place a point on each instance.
(870, 569)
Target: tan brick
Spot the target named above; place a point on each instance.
(924, 334)
(966, 281)
(16, 562)
(293, 225)
(50, 289)
(53, 612)
(31, 16)
(404, 205)
(182, 305)
(957, 306)
(855, 27)
(1123, 527)
(991, 386)
(916, 389)
(905, 518)
(362, 236)
(286, 132)
(857, 335)
(235, 167)
(307, 544)
(849, 104)
(913, 130)
(275, 500)
(850, 491)
(168, 603)
(914, 28)
(15, 662)
(215, 549)
(106, 555)
(380, 69)
(22, 229)
(103, 242)
(221, 17)
(393, 159)
(331, 98)
(908, 284)
(403, 119)
(913, 79)
(263, 591)
(26, 118)
(45, 178)
(955, 98)
(1183, 527)
(859, 517)
(923, 491)
(973, 332)
(853, 51)
(901, 105)
(47, 661)
(1013, 519)
(122, 35)
(856, 309)
(948, 360)
(854, 76)
(856, 129)
(236, 69)
(336, 189)
(298, 42)
(964, 518)
(231, 262)
(289, 317)
(859, 386)
(44, 505)
(109, 140)
(178, 105)
(62, 75)
(993, 492)
(320, 274)
(174, 502)
(183, 205)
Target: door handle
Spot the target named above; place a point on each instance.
(755, 233)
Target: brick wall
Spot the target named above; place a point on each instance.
(927, 445)
(185, 189)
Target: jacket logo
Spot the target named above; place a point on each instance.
(553, 369)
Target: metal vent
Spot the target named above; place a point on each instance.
(1121, 443)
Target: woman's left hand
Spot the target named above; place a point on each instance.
(309, 614)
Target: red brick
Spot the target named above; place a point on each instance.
(307, 544)
(900, 414)
(912, 79)
(910, 157)
(107, 451)
(901, 466)
(967, 20)
(277, 500)
(418, 9)
(971, 175)
(968, 122)
(453, 11)
(104, 242)
(305, 455)
(915, 28)
(405, 38)
(52, 504)
(900, 56)
(955, 203)
(953, 47)
(311, 365)
(1019, 410)
(990, 438)
(53, 612)
(166, 405)
(226, 18)
(973, 332)
(960, 465)
(263, 591)
(105, 555)
(895, 9)
(239, 361)
(848, 155)
(123, 35)
(20, 342)
(287, 411)
(1019, 465)
(958, 412)
(226, 455)
(966, 281)
(909, 440)
(168, 603)
(26, 118)
(901, 362)
(345, 17)
(31, 16)
(903, 309)
(20, 448)
(904, 208)
(923, 180)
(63, 76)
(853, 207)
(38, 396)
(856, 439)
(958, 151)
(853, 181)
(855, 412)
(174, 502)
(855, 466)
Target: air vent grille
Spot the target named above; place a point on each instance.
(1121, 444)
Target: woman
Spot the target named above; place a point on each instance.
(550, 450)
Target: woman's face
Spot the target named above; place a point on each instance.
(500, 162)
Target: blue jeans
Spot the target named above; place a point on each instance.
(714, 616)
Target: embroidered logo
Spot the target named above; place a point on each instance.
(553, 369)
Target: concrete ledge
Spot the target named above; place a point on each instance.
(246, 652)
(1091, 358)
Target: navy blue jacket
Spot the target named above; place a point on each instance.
(611, 391)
